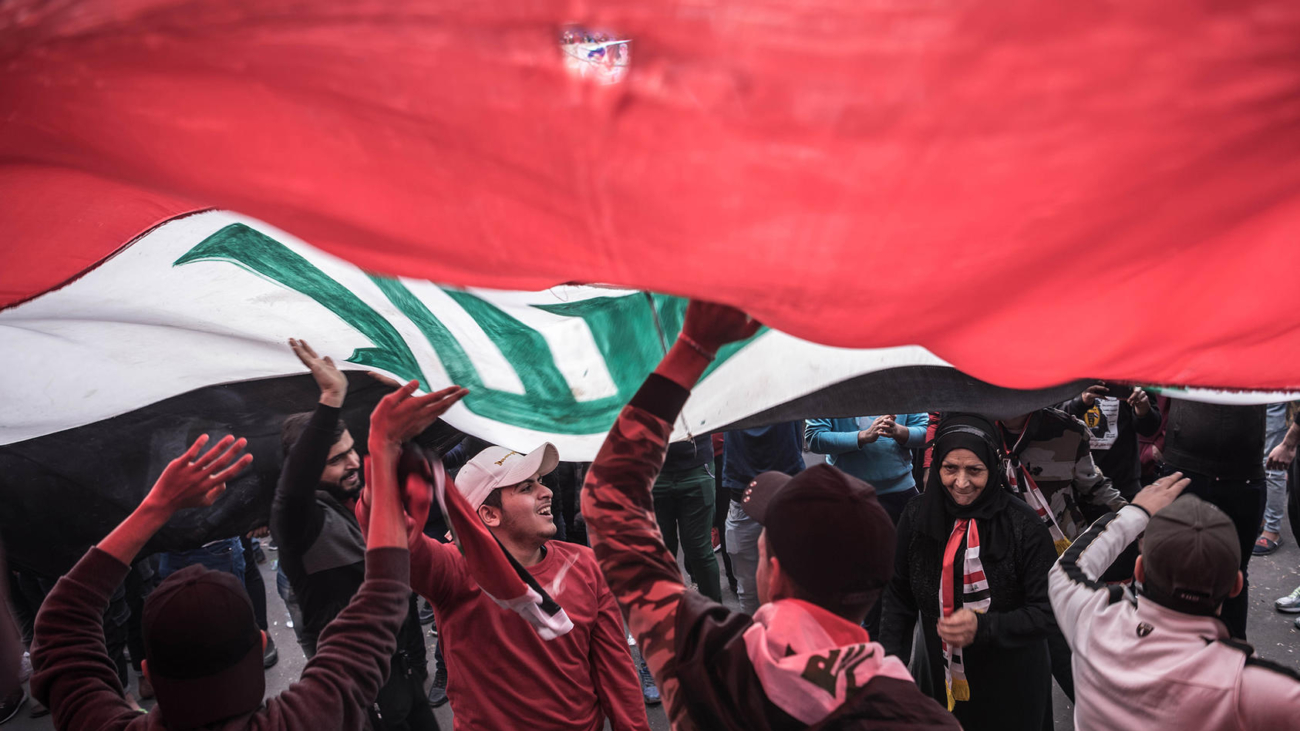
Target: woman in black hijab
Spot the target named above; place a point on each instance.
(972, 560)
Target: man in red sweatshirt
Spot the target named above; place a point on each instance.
(503, 675)
(203, 650)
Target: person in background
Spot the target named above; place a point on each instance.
(1162, 659)
(972, 559)
(13, 658)
(1220, 449)
(721, 509)
(1282, 457)
(1051, 468)
(876, 450)
(1275, 432)
(746, 453)
(1151, 449)
(1116, 417)
(684, 500)
(803, 659)
(232, 556)
(322, 549)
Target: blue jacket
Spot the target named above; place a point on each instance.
(885, 464)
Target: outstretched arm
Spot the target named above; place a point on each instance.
(74, 676)
(616, 500)
(296, 519)
(344, 676)
(1074, 582)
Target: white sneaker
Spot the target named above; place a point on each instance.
(1289, 604)
(25, 671)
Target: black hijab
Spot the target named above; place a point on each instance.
(938, 511)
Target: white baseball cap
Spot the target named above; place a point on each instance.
(497, 467)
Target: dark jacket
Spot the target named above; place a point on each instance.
(723, 692)
(684, 456)
(321, 547)
(747, 452)
(1120, 462)
(1220, 441)
(1007, 666)
(322, 553)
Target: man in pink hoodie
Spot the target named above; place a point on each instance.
(825, 556)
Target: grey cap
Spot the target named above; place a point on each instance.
(1190, 556)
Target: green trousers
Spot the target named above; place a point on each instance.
(684, 508)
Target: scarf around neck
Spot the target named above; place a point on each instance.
(811, 661)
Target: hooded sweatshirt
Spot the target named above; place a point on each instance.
(791, 666)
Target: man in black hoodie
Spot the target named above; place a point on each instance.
(825, 555)
(322, 550)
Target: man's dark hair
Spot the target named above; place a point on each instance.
(296, 424)
(493, 499)
(855, 612)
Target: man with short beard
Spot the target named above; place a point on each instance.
(322, 550)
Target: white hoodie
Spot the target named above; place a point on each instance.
(1138, 665)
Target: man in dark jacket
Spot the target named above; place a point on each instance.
(1221, 450)
(825, 554)
(321, 547)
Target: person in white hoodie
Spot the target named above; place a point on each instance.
(1162, 658)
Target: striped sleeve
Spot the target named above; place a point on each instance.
(1074, 584)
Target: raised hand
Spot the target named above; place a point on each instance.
(399, 416)
(1092, 393)
(1140, 402)
(193, 481)
(711, 326)
(1161, 493)
(333, 384)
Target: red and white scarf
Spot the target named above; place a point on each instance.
(975, 597)
(810, 661)
(1034, 496)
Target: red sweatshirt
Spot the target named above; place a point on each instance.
(75, 678)
(502, 675)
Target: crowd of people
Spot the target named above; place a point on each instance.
(939, 571)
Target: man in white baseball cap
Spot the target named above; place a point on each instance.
(502, 485)
(502, 673)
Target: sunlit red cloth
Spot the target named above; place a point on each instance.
(1034, 192)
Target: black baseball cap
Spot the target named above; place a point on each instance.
(203, 647)
(1190, 557)
(828, 530)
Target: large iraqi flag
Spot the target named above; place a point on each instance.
(1028, 193)
(182, 331)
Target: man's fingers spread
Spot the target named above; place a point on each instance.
(192, 453)
(216, 451)
(233, 469)
(224, 458)
(213, 494)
